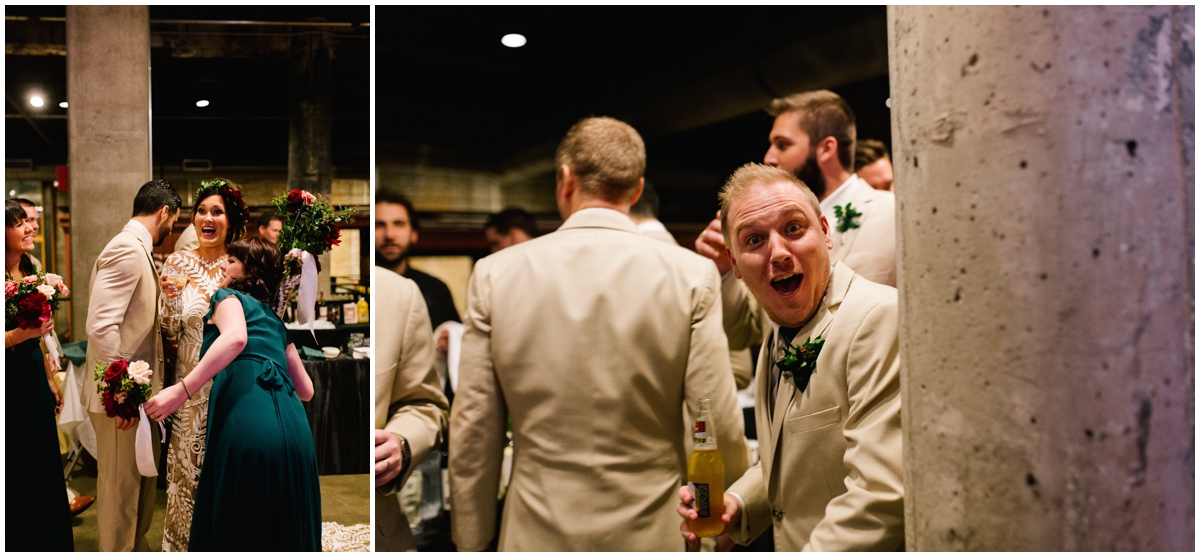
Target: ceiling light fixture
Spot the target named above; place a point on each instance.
(62, 104)
(201, 103)
(513, 40)
(36, 101)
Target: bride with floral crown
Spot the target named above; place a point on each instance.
(189, 279)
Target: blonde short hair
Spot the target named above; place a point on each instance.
(607, 155)
(754, 174)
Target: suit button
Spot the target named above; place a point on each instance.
(777, 514)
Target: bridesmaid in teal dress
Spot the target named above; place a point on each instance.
(259, 488)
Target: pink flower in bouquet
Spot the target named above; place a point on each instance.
(10, 288)
(30, 279)
(140, 372)
(54, 280)
(120, 397)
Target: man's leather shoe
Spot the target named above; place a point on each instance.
(80, 503)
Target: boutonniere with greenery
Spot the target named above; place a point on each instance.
(846, 217)
(799, 362)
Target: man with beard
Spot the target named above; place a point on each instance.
(396, 231)
(827, 391)
(813, 138)
(123, 324)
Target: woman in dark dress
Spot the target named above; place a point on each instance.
(259, 488)
(36, 515)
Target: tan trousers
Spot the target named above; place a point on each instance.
(124, 498)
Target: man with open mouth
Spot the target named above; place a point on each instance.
(827, 387)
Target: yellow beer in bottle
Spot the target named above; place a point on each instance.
(706, 478)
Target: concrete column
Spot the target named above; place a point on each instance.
(108, 130)
(310, 127)
(1046, 188)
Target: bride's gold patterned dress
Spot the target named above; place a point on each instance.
(183, 320)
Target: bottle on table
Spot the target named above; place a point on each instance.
(706, 477)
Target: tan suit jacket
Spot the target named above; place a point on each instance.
(869, 249)
(122, 323)
(408, 396)
(591, 338)
(830, 476)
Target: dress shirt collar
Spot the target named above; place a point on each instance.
(142, 234)
(653, 225)
(599, 217)
(841, 195)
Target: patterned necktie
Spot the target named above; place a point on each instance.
(786, 334)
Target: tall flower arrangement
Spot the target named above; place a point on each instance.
(312, 226)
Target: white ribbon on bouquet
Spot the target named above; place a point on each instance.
(144, 444)
(54, 349)
(306, 298)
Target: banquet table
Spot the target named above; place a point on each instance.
(340, 414)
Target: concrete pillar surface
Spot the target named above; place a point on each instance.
(1046, 190)
(108, 130)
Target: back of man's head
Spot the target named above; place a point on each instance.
(511, 218)
(867, 151)
(822, 114)
(647, 205)
(752, 175)
(391, 195)
(607, 155)
(264, 220)
(153, 195)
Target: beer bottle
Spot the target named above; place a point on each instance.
(706, 478)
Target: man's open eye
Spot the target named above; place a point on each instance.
(794, 228)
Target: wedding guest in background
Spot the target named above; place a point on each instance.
(35, 216)
(39, 519)
(189, 279)
(259, 488)
(122, 323)
(831, 475)
(396, 231)
(269, 225)
(591, 339)
(872, 163)
(509, 228)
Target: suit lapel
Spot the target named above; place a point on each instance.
(843, 241)
(762, 389)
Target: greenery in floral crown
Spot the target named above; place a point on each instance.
(227, 193)
(799, 362)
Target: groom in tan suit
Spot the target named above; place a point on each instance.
(590, 339)
(410, 409)
(830, 476)
(122, 323)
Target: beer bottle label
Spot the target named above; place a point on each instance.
(701, 430)
(699, 498)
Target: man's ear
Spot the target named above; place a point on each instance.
(733, 264)
(825, 231)
(412, 235)
(638, 193)
(827, 150)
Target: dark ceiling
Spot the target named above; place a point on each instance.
(693, 80)
(234, 57)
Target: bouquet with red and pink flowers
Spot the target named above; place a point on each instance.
(311, 227)
(123, 387)
(31, 301)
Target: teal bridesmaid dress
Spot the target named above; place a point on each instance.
(259, 488)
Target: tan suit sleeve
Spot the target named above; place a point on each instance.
(709, 376)
(756, 514)
(477, 425)
(870, 515)
(418, 408)
(743, 319)
(117, 276)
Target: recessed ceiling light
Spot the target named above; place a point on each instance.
(201, 103)
(513, 40)
(36, 101)
(62, 104)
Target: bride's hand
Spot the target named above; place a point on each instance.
(165, 402)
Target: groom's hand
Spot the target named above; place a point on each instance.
(389, 459)
(123, 424)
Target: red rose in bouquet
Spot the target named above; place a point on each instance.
(123, 387)
(31, 310)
